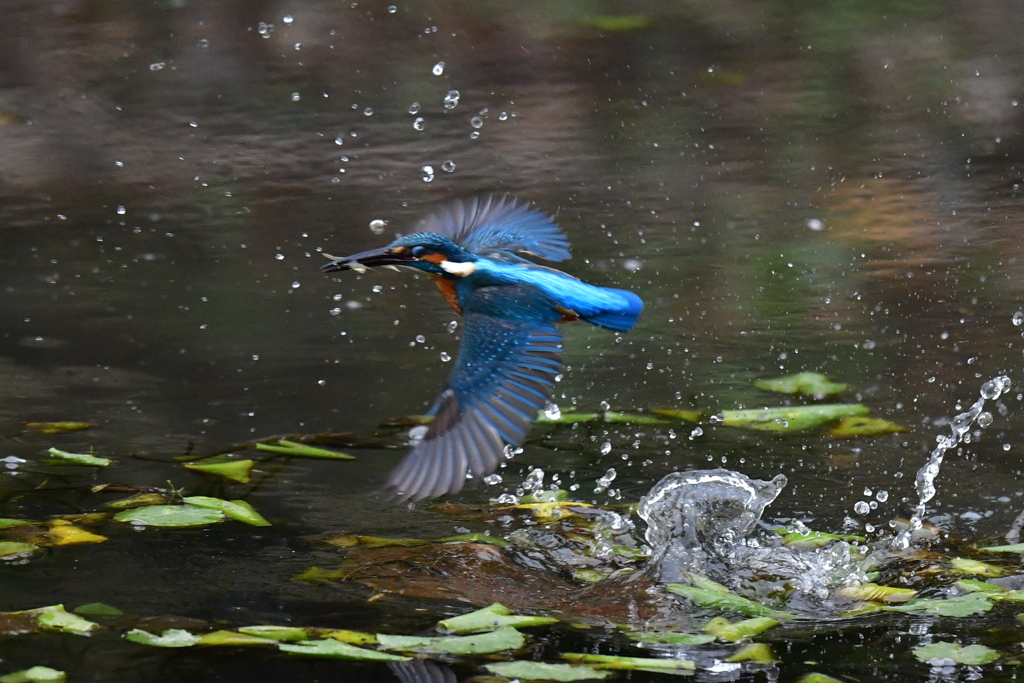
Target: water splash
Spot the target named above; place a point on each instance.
(960, 432)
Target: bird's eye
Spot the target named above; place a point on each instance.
(418, 251)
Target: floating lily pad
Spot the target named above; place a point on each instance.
(673, 637)
(961, 606)
(727, 601)
(1014, 548)
(170, 516)
(301, 450)
(335, 649)
(875, 593)
(284, 634)
(994, 592)
(57, 427)
(172, 637)
(541, 671)
(238, 510)
(855, 427)
(84, 459)
(64, 533)
(791, 419)
(139, 501)
(15, 550)
(98, 609)
(971, 655)
(630, 663)
(812, 384)
(723, 629)
(963, 565)
(231, 638)
(56, 618)
(235, 470)
(490, 618)
(352, 637)
(36, 674)
(499, 640)
(754, 652)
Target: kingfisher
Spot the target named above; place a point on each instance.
(511, 352)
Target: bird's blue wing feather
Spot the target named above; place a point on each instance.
(505, 373)
(488, 224)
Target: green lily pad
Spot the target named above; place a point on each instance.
(1014, 548)
(875, 593)
(812, 384)
(541, 671)
(56, 618)
(352, 637)
(231, 638)
(335, 649)
(994, 592)
(971, 655)
(13, 550)
(791, 419)
(98, 609)
(723, 629)
(36, 674)
(301, 450)
(675, 637)
(172, 637)
(754, 652)
(284, 634)
(499, 640)
(630, 663)
(238, 510)
(724, 600)
(170, 516)
(57, 427)
(65, 458)
(490, 618)
(235, 470)
(961, 606)
(856, 427)
(963, 565)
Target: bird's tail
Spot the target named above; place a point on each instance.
(620, 318)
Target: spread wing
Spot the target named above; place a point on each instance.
(494, 223)
(505, 373)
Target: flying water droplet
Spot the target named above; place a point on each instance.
(861, 507)
(296, 97)
(453, 325)
(287, 19)
(418, 124)
(121, 211)
(606, 448)
(339, 140)
(420, 339)
(476, 122)
(552, 411)
(392, 9)
(414, 108)
(448, 166)
(492, 479)
(428, 173)
(451, 100)
(445, 357)
(157, 66)
(1018, 318)
(377, 226)
(368, 111)
(438, 69)
(604, 482)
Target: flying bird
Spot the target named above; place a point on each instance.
(511, 353)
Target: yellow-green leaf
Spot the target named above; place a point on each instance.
(491, 618)
(723, 629)
(541, 671)
(754, 652)
(57, 427)
(855, 427)
(235, 470)
(812, 384)
(791, 418)
(238, 510)
(301, 450)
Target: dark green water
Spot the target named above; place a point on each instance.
(833, 188)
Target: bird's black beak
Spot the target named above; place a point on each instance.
(368, 259)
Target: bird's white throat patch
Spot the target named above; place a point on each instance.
(460, 269)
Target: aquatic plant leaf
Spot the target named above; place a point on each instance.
(812, 384)
(98, 609)
(476, 537)
(557, 496)
(170, 516)
(814, 539)
(350, 540)
(566, 418)
(36, 674)
(971, 655)
(10, 550)
(231, 638)
(754, 652)
(335, 649)
(56, 618)
(490, 618)
(963, 565)
(875, 593)
(724, 600)
(993, 591)
(139, 501)
(238, 510)
(84, 459)
(612, 417)
(1013, 548)
(818, 678)
(723, 629)
(284, 634)
(172, 637)
(318, 574)
(57, 427)
(680, 414)
(855, 427)
(64, 533)
(541, 671)
(617, 23)
(675, 637)
(499, 640)
(960, 606)
(6, 522)
(551, 512)
(301, 450)
(352, 637)
(792, 418)
(235, 470)
(627, 663)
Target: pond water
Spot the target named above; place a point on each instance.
(831, 188)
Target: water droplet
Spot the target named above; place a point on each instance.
(448, 166)
(815, 224)
(882, 496)
(296, 97)
(492, 479)
(287, 19)
(697, 431)
(1006, 446)
(338, 297)
(368, 111)
(438, 69)
(632, 264)
(503, 116)
(418, 123)
(296, 284)
(203, 42)
(428, 173)
(377, 226)
(984, 420)
(474, 135)
(552, 411)
(392, 9)
(377, 289)
(279, 257)
(861, 507)
(340, 140)
(606, 448)
(156, 66)
(121, 210)
(605, 481)
(453, 325)
(414, 108)
(421, 339)
(335, 311)
(868, 345)
(476, 122)
(445, 357)
(1018, 318)
(451, 100)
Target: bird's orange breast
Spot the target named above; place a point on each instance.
(447, 289)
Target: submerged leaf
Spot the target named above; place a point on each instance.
(791, 419)
(36, 674)
(499, 640)
(540, 671)
(724, 600)
(673, 637)
(350, 540)
(335, 649)
(971, 655)
(628, 663)
(170, 516)
(754, 652)
(805, 383)
(172, 637)
(238, 510)
(301, 450)
(235, 470)
(84, 459)
(57, 427)
(318, 574)
(490, 618)
(723, 629)
(854, 427)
